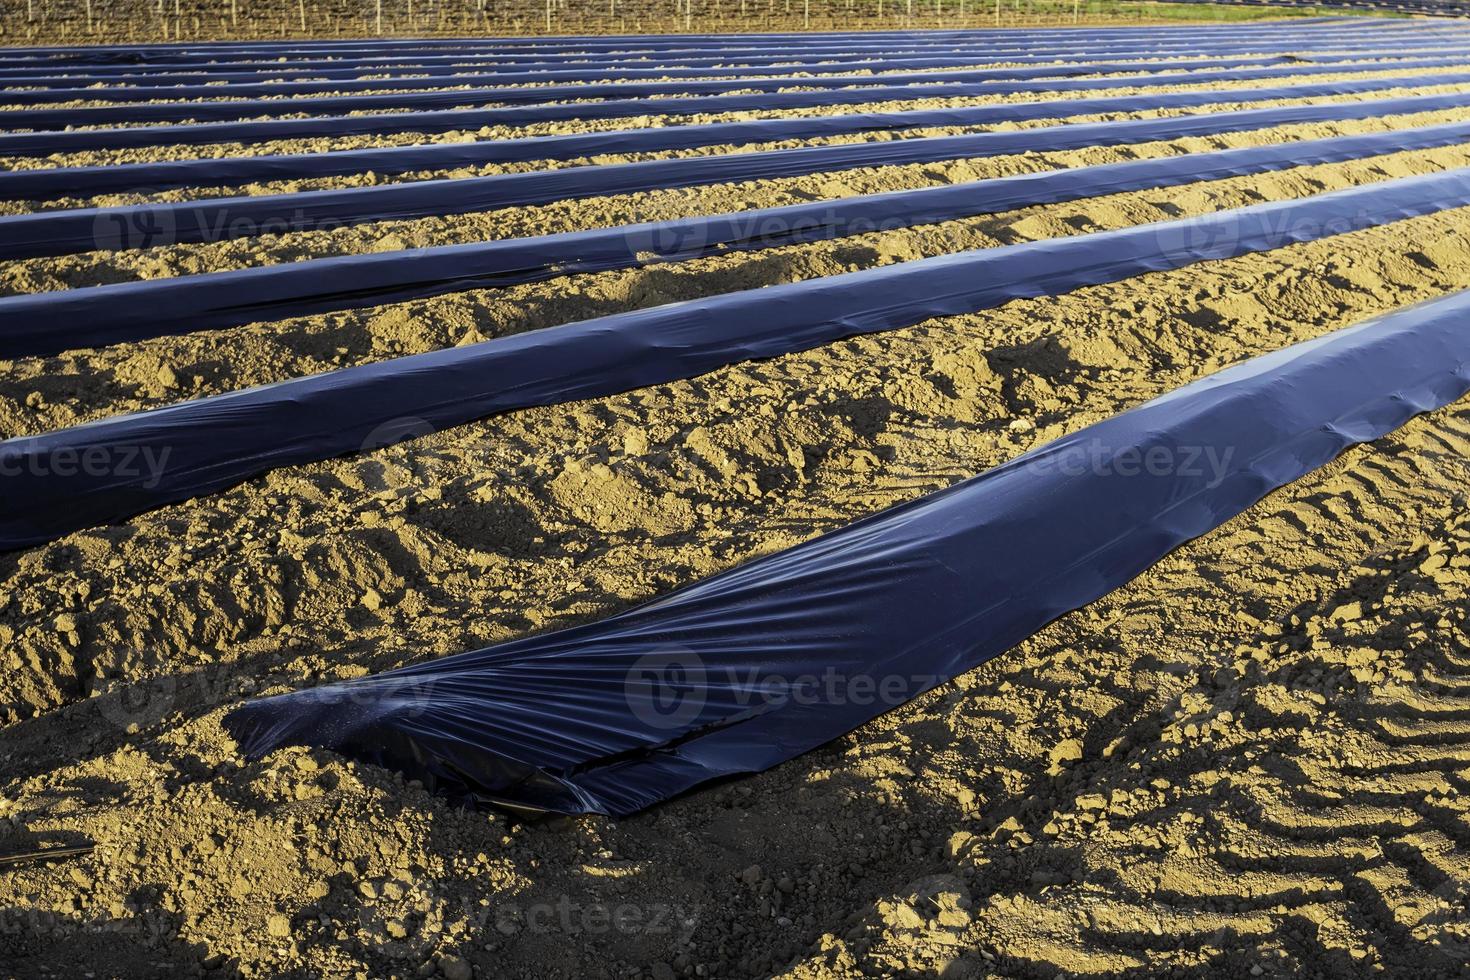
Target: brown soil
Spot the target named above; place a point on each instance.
(151, 21)
(1251, 761)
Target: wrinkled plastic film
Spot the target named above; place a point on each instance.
(212, 443)
(252, 101)
(399, 74)
(47, 323)
(86, 229)
(263, 98)
(47, 141)
(757, 665)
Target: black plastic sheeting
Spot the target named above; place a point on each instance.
(203, 113)
(582, 85)
(1417, 8)
(48, 142)
(22, 87)
(734, 46)
(217, 219)
(330, 105)
(392, 73)
(588, 92)
(776, 657)
(47, 183)
(221, 51)
(728, 45)
(251, 101)
(797, 58)
(41, 89)
(174, 84)
(48, 323)
(108, 470)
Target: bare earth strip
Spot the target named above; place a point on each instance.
(1251, 761)
(655, 120)
(964, 827)
(47, 393)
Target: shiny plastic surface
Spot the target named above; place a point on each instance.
(215, 219)
(51, 141)
(762, 663)
(215, 442)
(48, 323)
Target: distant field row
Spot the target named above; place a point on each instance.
(104, 21)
